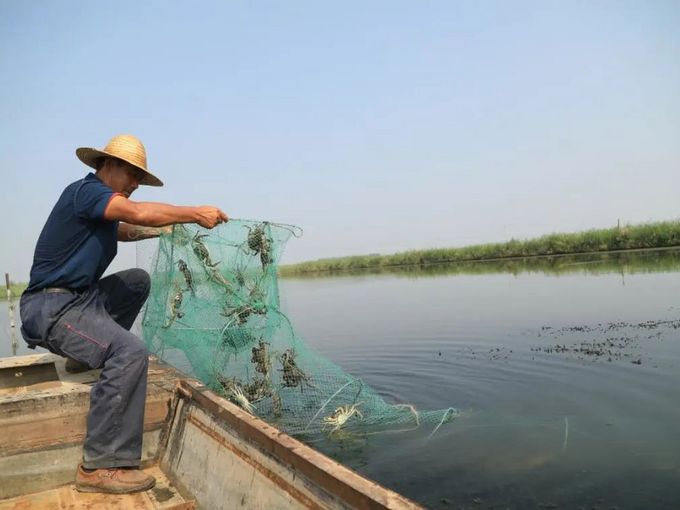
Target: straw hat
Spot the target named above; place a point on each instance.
(125, 147)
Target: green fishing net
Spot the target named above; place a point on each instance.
(214, 312)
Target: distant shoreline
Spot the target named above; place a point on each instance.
(647, 236)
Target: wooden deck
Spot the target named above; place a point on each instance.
(162, 497)
(43, 414)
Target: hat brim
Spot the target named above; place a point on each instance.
(89, 156)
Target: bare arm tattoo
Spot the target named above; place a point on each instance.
(127, 232)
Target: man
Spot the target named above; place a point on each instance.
(69, 310)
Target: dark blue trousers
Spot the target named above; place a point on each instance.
(92, 327)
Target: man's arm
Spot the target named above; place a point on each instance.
(127, 232)
(154, 214)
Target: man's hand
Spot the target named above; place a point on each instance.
(210, 217)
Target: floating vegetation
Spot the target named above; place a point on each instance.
(605, 345)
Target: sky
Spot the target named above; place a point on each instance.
(376, 126)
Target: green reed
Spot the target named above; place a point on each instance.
(631, 237)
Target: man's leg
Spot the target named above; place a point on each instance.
(124, 294)
(115, 422)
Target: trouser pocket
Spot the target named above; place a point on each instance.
(80, 338)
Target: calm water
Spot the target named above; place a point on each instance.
(567, 376)
(540, 428)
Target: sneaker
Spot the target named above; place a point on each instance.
(113, 480)
(75, 367)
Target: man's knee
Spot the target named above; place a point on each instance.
(136, 359)
(140, 281)
(137, 350)
(130, 347)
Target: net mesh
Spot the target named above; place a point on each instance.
(214, 312)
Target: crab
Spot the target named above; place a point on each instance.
(257, 390)
(255, 238)
(235, 393)
(201, 250)
(292, 374)
(340, 416)
(260, 243)
(187, 275)
(241, 313)
(239, 397)
(260, 358)
(175, 305)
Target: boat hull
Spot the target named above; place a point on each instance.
(209, 452)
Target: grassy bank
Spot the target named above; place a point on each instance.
(622, 262)
(649, 235)
(16, 288)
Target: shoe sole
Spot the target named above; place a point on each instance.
(106, 490)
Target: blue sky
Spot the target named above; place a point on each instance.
(375, 126)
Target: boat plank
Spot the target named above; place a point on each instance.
(15, 378)
(32, 471)
(43, 428)
(62, 425)
(164, 496)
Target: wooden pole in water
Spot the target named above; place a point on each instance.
(12, 325)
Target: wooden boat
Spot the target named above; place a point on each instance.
(204, 451)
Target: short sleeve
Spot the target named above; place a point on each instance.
(91, 198)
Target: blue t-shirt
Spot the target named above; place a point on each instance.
(76, 244)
